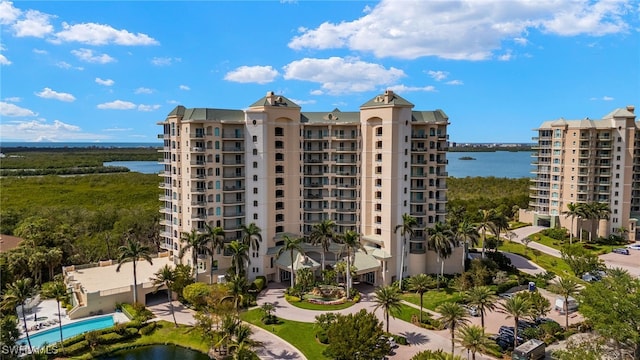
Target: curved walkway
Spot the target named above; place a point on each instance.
(274, 347)
(419, 338)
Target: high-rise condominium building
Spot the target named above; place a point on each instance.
(587, 161)
(286, 170)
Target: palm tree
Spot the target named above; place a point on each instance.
(16, 294)
(442, 242)
(239, 254)
(483, 298)
(600, 210)
(133, 251)
(486, 224)
(573, 211)
(473, 338)
(53, 259)
(251, 236)
(291, 244)
(407, 228)
(57, 290)
(166, 276)
(500, 223)
(197, 243)
(388, 298)
(238, 289)
(435, 355)
(420, 283)
(322, 234)
(351, 241)
(565, 287)
(215, 235)
(516, 307)
(467, 234)
(453, 315)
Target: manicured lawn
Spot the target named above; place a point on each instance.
(408, 311)
(319, 307)
(557, 244)
(433, 298)
(299, 334)
(548, 262)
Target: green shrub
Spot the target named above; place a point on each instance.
(322, 337)
(134, 324)
(73, 340)
(400, 340)
(556, 233)
(110, 338)
(77, 348)
(147, 329)
(291, 298)
(357, 298)
(506, 286)
(260, 282)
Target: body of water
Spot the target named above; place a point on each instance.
(52, 335)
(145, 167)
(157, 352)
(502, 164)
(14, 144)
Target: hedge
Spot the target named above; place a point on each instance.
(76, 348)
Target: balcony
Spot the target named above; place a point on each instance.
(197, 135)
(233, 175)
(232, 201)
(197, 149)
(164, 185)
(198, 162)
(232, 135)
(233, 149)
(233, 213)
(199, 216)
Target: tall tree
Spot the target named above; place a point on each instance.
(16, 294)
(58, 291)
(467, 234)
(486, 224)
(407, 229)
(516, 307)
(215, 235)
(420, 283)
(323, 234)
(133, 251)
(441, 240)
(53, 259)
(239, 254)
(238, 290)
(565, 287)
(356, 336)
(291, 244)
(599, 211)
(166, 277)
(452, 316)
(388, 299)
(573, 211)
(351, 242)
(473, 338)
(197, 243)
(251, 236)
(483, 298)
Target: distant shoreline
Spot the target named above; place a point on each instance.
(4, 146)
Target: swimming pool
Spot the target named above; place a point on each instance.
(52, 335)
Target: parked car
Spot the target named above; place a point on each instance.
(622, 251)
(634, 247)
(473, 311)
(506, 295)
(591, 277)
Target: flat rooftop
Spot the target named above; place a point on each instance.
(101, 278)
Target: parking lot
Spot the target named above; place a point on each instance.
(630, 262)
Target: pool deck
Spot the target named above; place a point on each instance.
(47, 310)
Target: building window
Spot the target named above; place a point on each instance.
(279, 144)
(378, 157)
(379, 131)
(279, 193)
(279, 157)
(378, 194)
(218, 158)
(255, 177)
(279, 229)
(279, 181)
(255, 164)
(279, 131)
(378, 182)
(378, 231)
(279, 169)
(378, 219)
(279, 217)
(378, 207)
(255, 138)
(379, 144)
(255, 190)
(279, 205)
(255, 151)
(255, 203)
(217, 145)
(378, 169)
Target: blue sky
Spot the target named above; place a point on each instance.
(109, 71)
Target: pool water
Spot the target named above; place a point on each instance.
(52, 335)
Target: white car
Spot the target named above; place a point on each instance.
(634, 247)
(506, 295)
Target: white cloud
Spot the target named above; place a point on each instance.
(454, 82)
(40, 51)
(8, 13)
(4, 60)
(184, 87)
(173, 102)
(47, 93)
(118, 129)
(438, 75)
(143, 90)
(35, 24)
(521, 41)
(604, 98)
(342, 75)
(506, 56)
(303, 102)
(461, 30)
(117, 105)
(13, 99)
(164, 61)
(405, 89)
(252, 74)
(100, 34)
(13, 110)
(41, 130)
(88, 56)
(143, 107)
(105, 82)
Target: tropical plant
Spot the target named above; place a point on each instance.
(238, 290)
(197, 243)
(421, 283)
(407, 229)
(166, 277)
(215, 235)
(351, 242)
(305, 278)
(516, 307)
(486, 224)
(53, 259)
(291, 244)
(599, 210)
(16, 294)
(356, 336)
(467, 234)
(323, 234)
(573, 211)
(473, 338)
(58, 291)
(435, 355)
(133, 251)
(565, 287)
(483, 298)
(388, 299)
(452, 316)
(441, 240)
(239, 254)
